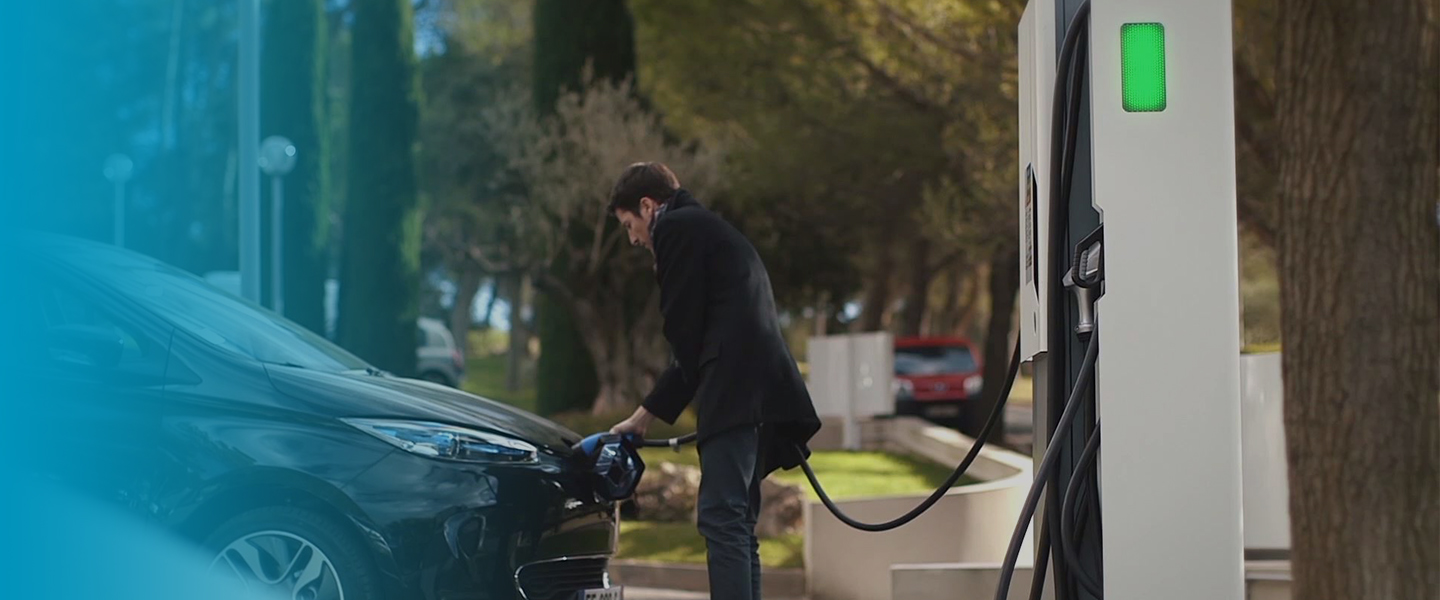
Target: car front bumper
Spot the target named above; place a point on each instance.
(443, 530)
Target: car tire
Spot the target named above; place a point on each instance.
(289, 544)
(436, 377)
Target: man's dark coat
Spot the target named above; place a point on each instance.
(721, 322)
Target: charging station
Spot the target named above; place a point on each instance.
(1128, 235)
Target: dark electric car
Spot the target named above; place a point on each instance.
(298, 467)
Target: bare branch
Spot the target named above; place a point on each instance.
(908, 26)
(889, 80)
(945, 261)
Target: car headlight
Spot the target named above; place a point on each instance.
(902, 388)
(973, 385)
(448, 442)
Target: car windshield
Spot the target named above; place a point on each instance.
(211, 314)
(933, 360)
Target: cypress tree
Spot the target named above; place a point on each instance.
(380, 271)
(293, 105)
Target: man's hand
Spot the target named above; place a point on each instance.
(636, 424)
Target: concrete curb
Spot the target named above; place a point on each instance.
(775, 583)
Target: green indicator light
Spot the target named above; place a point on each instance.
(1142, 66)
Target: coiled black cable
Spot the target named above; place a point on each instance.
(1068, 531)
(1047, 464)
(995, 415)
(1042, 560)
(1064, 135)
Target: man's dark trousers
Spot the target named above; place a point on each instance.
(729, 506)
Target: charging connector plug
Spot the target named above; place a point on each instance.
(1087, 272)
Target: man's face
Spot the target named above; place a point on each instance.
(637, 225)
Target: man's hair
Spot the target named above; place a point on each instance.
(640, 180)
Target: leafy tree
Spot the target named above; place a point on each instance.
(568, 38)
(486, 48)
(890, 123)
(565, 240)
(379, 283)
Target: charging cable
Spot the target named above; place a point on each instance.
(1069, 534)
(996, 414)
(1047, 464)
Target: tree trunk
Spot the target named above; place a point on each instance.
(490, 304)
(467, 286)
(614, 369)
(1004, 286)
(965, 315)
(620, 368)
(961, 292)
(918, 298)
(1359, 112)
(877, 295)
(519, 337)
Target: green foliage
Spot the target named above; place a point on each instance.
(293, 105)
(600, 38)
(462, 171)
(485, 377)
(569, 36)
(561, 166)
(845, 475)
(380, 266)
(565, 374)
(852, 124)
(1259, 293)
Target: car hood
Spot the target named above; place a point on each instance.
(380, 396)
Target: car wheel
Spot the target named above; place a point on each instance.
(296, 552)
(436, 377)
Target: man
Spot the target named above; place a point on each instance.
(754, 414)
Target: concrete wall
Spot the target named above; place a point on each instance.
(1262, 424)
(873, 434)
(955, 581)
(971, 524)
(1267, 580)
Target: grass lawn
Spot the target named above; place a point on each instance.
(485, 376)
(844, 474)
(1023, 392)
(680, 543)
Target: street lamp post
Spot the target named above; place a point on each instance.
(277, 157)
(118, 169)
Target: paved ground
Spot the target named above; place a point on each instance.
(654, 594)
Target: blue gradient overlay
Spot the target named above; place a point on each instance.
(82, 81)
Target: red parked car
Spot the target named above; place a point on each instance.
(935, 376)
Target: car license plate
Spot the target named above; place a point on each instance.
(948, 410)
(610, 593)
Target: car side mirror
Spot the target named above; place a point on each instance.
(84, 345)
